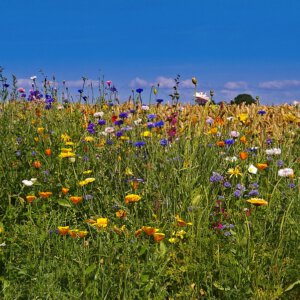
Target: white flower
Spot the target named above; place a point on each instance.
(98, 114)
(201, 96)
(33, 77)
(274, 151)
(231, 159)
(27, 182)
(72, 159)
(60, 107)
(252, 169)
(103, 133)
(3, 245)
(109, 129)
(234, 134)
(145, 107)
(33, 180)
(209, 120)
(230, 118)
(138, 121)
(286, 172)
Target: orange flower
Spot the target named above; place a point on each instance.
(243, 139)
(243, 155)
(262, 166)
(48, 152)
(138, 232)
(73, 233)
(220, 143)
(158, 236)
(30, 198)
(76, 199)
(82, 233)
(37, 164)
(149, 230)
(45, 195)
(219, 121)
(63, 230)
(121, 214)
(181, 222)
(65, 190)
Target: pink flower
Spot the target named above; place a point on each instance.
(108, 82)
(21, 90)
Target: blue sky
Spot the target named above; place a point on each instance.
(231, 46)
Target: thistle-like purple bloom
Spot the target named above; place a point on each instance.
(91, 128)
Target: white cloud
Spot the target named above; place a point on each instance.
(139, 83)
(235, 85)
(231, 94)
(279, 84)
(165, 82)
(187, 84)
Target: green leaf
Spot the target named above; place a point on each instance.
(64, 203)
(90, 269)
(290, 287)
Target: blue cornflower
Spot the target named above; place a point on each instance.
(109, 142)
(216, 177)
(159, 100)
(139, 144)
(164, 142)
(139, 91)
(159, 124)
(292, 185)
(119, 122)
(123, 115)
(229, 142)
(113, 89)
(91, 128)
(151, 116)
(261, 112)
(119, 133)
(48, 106)
(101, 122)
(150, 125)
(269, 141)
(132, 111)
(6, 85)
(80, 91)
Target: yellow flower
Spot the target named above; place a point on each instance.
(146, 134)
(243, 117)
(30, 198)
(234, 172)
(180, 234)
(101, 223)
(128, 172)
(121, 214)
(214, 130)
(87, 172)
(132, 198)
(45, 195)
(82, 233)
(119, 230)
(173, 240)
(65, 137)
(66, 154)
(69, 143)
(86, 181)
(124, 138)
(89, 139)
(258, 202)
(40, 130)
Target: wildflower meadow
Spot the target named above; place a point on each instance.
(146, 198)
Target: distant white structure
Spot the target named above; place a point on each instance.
(201, 98)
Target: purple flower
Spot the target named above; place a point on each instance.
(292, 185)
(255, 185)
(91, 128)
(229, 142)
(159, 124)
(280, 163)
(159, 101)
(119, 122)
(216, 177)
(253, 193)
(237, 193)
(261, 112)
(119, 133)
(150, 125)
(88, 197)
(139, 144)
(227, 184)
(269, 141)
(164, 142)
(227, 233)
(139, 91)
(101, 122)
(123, 115)
(151, 116)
